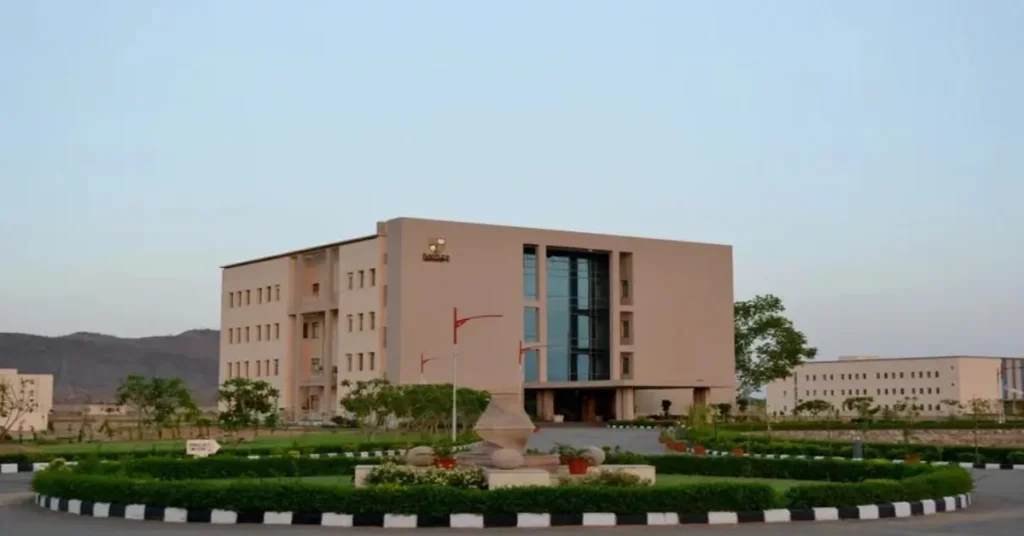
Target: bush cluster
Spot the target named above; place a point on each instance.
(403, 475)
(946, 424)
(224, 467)
(664, 423)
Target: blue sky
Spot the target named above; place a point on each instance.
(865, 159)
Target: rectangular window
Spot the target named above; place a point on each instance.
(360, 321)
(277, 331)
(627, 365)
(384, 337)
(531, 324)
(936, 374)
(231, 335)
(530, 272)
(385, 258)
(349, 318)
(259, 332)
(937, 391)
(625, 288)
(231, 299)
(268, 293)
(259, 368)
(373, 277)
(259, 299)
(316, 330)
(276, 367)
(362, 279)
(246, 369)
(373, 361)
(348, 357)
(266, 367)
(316, 289)
(247, 296)
(228, 373)
(373, 320)
(315, 365)
(246, 333)
(305, 330)
(360, 361)
(350, 280)
(267, 327)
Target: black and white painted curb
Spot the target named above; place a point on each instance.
(33, 467)
(966, 465)
(141, 512)
(640, 427)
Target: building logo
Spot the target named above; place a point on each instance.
(437, 250)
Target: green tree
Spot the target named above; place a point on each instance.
(815, 407)
(246, 402)
(907, 411)
(164, 402)
(768, 346)
(14, 404)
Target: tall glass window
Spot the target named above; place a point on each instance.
(577, 316)
(530, 272)
(530, 324)
(531, 366)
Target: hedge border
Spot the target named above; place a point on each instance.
(965, 465)
(521, 520)
(35, 467)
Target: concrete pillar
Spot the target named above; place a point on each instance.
(625, 403)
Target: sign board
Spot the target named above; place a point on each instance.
(437, 250)
(201, 448)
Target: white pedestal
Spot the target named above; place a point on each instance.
(512, 478)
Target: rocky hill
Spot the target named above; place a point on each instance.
(87, 367)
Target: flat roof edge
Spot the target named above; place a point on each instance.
(300, 251)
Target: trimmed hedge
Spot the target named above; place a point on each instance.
(821, 470)
(664, 423)
(888, 451)
(226, 467)
(225, 451)
(420, 500)
(943, 482)
(948, 424)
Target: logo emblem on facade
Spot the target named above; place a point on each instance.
(437, 250)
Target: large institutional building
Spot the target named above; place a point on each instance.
(612, 325)
(930, 380)
(33, 395)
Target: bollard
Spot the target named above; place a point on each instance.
(858, 449)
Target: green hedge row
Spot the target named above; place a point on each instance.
(888, 451)
(788, 469)
(644, 422)
(224, 467)
(947, 424)
(226, 451)
(423, 500)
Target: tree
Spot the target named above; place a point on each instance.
(907, 411)
(246, 402)
(768, 346)
(723, 410)
(14, 404)
(814, 407)
(165, 402)
(953, 406)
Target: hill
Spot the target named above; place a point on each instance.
(87, 367)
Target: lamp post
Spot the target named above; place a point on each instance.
(456, 324)
(423, 362)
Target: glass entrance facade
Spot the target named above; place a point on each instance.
(578, 317)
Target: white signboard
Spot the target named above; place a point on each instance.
(202, 448)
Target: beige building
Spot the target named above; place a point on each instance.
(31, 391)
(890, 380)
(616, 324)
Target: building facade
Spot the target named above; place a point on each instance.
(612, 325)
(33, 393)
(930, 380)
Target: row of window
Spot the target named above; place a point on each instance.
(878, 376)
(361, 277)
(361, 360)
(919, 407)
(241, 369)
(241, 298)
(262, 333)
(864, 392)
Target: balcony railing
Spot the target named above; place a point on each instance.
(323, 301)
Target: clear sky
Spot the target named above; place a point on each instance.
(865, 159)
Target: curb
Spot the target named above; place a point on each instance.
(34, 467)
(141, 512)
(965, 465)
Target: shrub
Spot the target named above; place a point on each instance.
(403, 475)
(228, 467)
(970, 457)
(664, 423)
(1016, 457)
(605, 478)
(941, 482)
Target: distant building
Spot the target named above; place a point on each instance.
(36, 390)
(890, 380)
(618, 323)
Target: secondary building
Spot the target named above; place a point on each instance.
(30, 397)
(611, 325)
(931, 380)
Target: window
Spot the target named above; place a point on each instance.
(814, 377)
(878, 376)
(901, 390)
(384, 337)
(238, 369)
(901, 375)
(937, 391)
(316, 330)
(531, 323)
(625, 328)
(929, 374)
(258, 368)
(266, 367)
(277, 331)
(276, 369)
(277, 292)
(246, 337)
(831, 377)
(268, 293)
(913, 390)
(350, 280)
(316, 289)
(530, 272)
(815, 392)
(886, 391)
(807, 377)
(268, 331)
(231, 335)
(929, 390)
(228, 373)
(627, 366)
(885, 376)
(936, 374)
(841, 392)
(360, 321)
(362, 279)
(373, 320)
(373, 277)
(259, 332)
(259, 299)
(305, 330)
(625, 288)
(360, 361)
(348, 357)
(373, 361)
(878, 391)
(842, 376)
(349, 317)
(231, 299)
(385, 258)
(315, 365)
(247, 368)
(247, 296)
(385, 295)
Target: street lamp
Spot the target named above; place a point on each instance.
(456, 324)
(424, 361)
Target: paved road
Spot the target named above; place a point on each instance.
(998, 510)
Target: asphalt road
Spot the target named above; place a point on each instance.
(997, 509)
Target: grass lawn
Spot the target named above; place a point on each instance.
(339, 437)
(663, 480)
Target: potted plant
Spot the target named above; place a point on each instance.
(912, 458)
(737, 451)
(700, 450)
(444, 455)
(574, 458)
